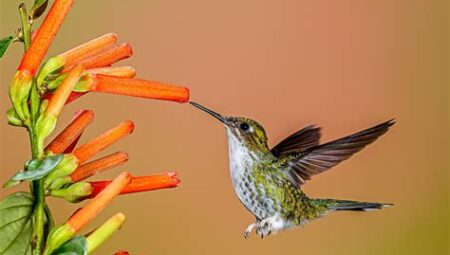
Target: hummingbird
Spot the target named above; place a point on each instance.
(268, 181)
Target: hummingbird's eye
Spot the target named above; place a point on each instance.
(244, 126)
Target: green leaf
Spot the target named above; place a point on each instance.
(38, 8)
(75, 246)
(37, 169)
(15, 223)
(4, 44)
(33, 164)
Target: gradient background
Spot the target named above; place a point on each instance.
(344, 65)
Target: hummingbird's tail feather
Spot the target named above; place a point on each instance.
(347, 205)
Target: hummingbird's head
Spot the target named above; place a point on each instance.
(247, 132)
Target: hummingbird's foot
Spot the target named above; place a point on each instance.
(264, 228)
(248, 230)
(269, 225)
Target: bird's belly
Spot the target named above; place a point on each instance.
(252, 194)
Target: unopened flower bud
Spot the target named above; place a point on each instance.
(13, 118)
(65, 168)
(74, 192)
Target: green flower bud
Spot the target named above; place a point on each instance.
(13, 118)
(60, 182)
(85, 83)
(57, 237)
(19, 91)
(49, 72)
(74, 193)
(45, 125)
(54, 84)
(65, 168)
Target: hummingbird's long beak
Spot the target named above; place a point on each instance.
(210, 112)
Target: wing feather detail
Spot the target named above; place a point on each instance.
(319, 158)
(298, 142)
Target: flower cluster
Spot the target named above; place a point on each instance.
(38, 93)
(67, 179)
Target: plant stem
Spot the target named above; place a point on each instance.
(39, 215)
(38, 185)
(26, 26)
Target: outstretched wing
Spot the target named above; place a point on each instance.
(298, 142)
(315, 160)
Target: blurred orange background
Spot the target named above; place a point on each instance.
(343, 65)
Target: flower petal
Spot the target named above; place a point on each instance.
(151, 182)
(72, 97)
(71, 133)
(96, 205)
(140, 183)
(92, 168)
(116, 71)
(45, 35)
(99, 143)
(62, 93)
(107, 57)
(121, 253)
(139, 88)
(88, 49)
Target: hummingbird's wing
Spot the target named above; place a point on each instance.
(298, 142)
(317, 159)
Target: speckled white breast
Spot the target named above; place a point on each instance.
(249, 193)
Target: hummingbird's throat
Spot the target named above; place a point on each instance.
(240, 156)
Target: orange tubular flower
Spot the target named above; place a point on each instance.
(152, 182)
(45, 35)
(84, 215)
(39, 91)
(140, 183)
(91, 209)
(71, 133)
(72, 97)
(121, 253)
(92, 168)
(88, 49)
(139, 88)
(72, 145)
(63, 92)
(118, 71)
(47, 121)
(99, 143)
(107, 57)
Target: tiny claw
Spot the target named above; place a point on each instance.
(248, 230)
